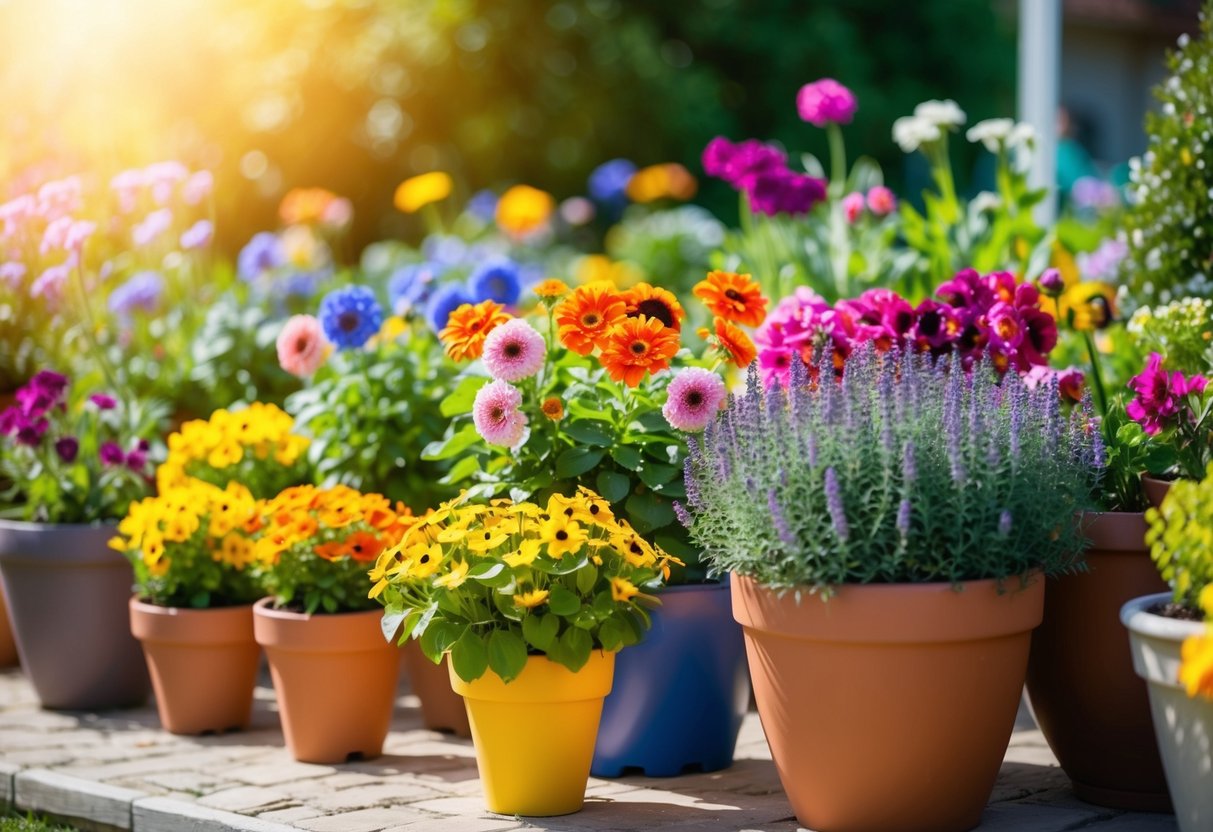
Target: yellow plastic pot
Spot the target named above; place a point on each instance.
(535, 736)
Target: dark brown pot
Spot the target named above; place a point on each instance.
(8, 647)
(68, 593)
(1088, 701)
(1156, 489)
(441, 708)
(203, 664)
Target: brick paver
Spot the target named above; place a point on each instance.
(119, 770)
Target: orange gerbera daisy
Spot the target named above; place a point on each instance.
(734, 343)
(654, 302)
(465, 331)
(637, 346)
(551, 288)
(584, 318)
(734, 297)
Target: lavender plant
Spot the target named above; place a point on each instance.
(906, 470)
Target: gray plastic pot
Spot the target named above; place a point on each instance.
(1182, 724)
(68, 594)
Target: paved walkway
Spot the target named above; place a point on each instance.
(119, 770)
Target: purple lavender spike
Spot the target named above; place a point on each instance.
(777, 518)
(903, 518)
(681, 513)
(834, 504)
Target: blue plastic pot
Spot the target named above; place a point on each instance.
(679, 696)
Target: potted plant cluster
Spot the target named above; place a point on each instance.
(74, 462)
(1172, 645)
(334, 676)
(531, 601)
(577, 396)
(888, 533)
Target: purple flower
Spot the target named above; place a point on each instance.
(142, 291)
(826, 102)
(779, 520)
(30, 431)
(609, 181)
(67, 448)
(834, 504)
(261, 254)
(752, 158)
(51, 283)
(717, 155)
(780, 191)
(197, 235)
(1004, 523)
(1160, 396)
(684, 517)
(198, 187)
(1052, 283)
(111, 453)
(694, 397)
(11, 273)
(136, 460)
(903, 518)
(103, 401)
(152, 226)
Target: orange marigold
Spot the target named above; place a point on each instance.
(584, 319)
(654, 302)
(733, 341)
(636, 346)
(553, 408)
(734, 297)
(551, 288)
(465, 331)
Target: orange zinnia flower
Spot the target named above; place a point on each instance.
(637, 346)
(551, 288)
(584, 319)
(465, 331)
(733, 341)
(654, 302)
(553, 408)
(734, 297)
(364, 546)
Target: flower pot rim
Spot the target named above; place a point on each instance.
(265, 607)
(34, 526)
(1135, 615)
(925, 586)
(58, 544)
(152, 608)
(555, 682)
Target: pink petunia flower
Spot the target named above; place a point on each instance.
(496, 414)
(514, 351)
(881, 201)
(301, 346)
(852, 206)
(826, 102)
(693, 397)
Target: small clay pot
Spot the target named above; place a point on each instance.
(1155, 488)
(888, 708)
(335, 678)
(441, 708)
(1089, 703)
(203, 664)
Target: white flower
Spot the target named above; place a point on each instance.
(941, 113)
(1023, 134)
(993, 132)
(911, 132)
(985, 201)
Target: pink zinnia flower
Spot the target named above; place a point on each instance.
(694, 396)
(496, 415)
(301, 346)
(852, 206)
(881, 201)
(513, 351)
(826, 102)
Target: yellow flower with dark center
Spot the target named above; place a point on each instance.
(486, 539)
(623, 590)
(416, 192)
(454, 578)
(426, 563)
(593, 509)
(634, 549)
(528, 550)
(531, 599)
(1089, 305)
(562, 534)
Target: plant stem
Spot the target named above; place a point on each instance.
(838, 160)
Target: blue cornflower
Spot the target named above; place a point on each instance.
(142, 291)
(483, 205)
(410, 286)
(609, 182)
(443, 302)
(445, 249)
(497, 280)
(260, 254)
(350, 316)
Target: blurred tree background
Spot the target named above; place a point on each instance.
(354, 95)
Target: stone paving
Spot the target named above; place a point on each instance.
(118, 770)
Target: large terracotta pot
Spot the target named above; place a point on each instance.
(1155, 488)
(535, 736)
(1183, 725)
(335, 678)
(889, 707)
(1088, 702)
(68, 594)
(441, 708)
(8, 647)
(203, 664)
(679, 696)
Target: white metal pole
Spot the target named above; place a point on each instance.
(1039, 89)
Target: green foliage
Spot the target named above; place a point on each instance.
(1168, 225)
(29, 822)
(1181, 331)
(1181, 539)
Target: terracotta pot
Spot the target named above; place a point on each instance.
(335, 678)
(1088, 702)
(535, 736)
(68, 594)
(889, 707)
(1183, 724)
(1156, 489)
(8, 647)
(679, 696)
(441, 708)
(203, 665)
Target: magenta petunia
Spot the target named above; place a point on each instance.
(717, 156)
(111, 453)
(103, 401)
(1160, 396)
(826, 102)
(514, 351)
(693, 397)
(496, 414)
(67, 448)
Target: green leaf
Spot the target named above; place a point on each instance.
(589, 433)
(627, 456)
(562, 602)
(612, 634)
(575, 645)
(654, 474)
(613, 486)
(540, 630)
(469, 656)
(486, 571)
(457, 443)
(507, 654)
(390, 623)
(576, 461)
(462, 397)
(586, 578)
(649, 511)
(461, 470)
(438, 638)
